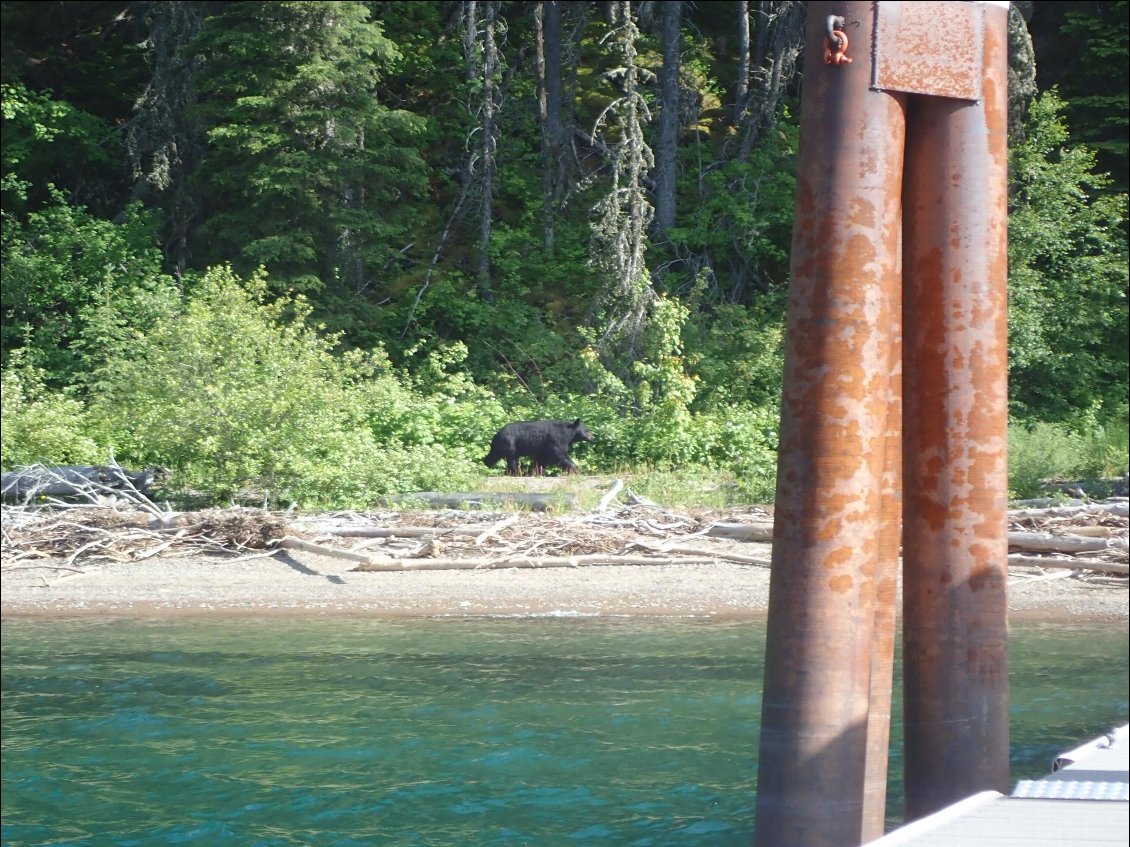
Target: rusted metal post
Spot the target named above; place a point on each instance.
(886, 604)
(955, 391)
(834, 435)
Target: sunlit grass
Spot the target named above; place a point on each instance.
(1039, 456)
(1053, 452)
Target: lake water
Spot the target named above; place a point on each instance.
(348, 732)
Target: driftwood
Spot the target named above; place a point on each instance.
(760, 531)
(1063, 543)
(490, 563)
(1118, 509)
(1097, 531)
(610, 495)
(1090, 538)
(1019, 559)
(289, 542)
(403, 531)
(85, 482)
(713, 554)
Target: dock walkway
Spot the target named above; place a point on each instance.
(1084, 802)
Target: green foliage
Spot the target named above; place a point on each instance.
(433, 404)
(698, 487)
(742, 225)
(236, 394)
(739, 353)
(47, 141)
(307, 170)
(79, 289)
(1067, 277)
(1095, 82)
(339, 155)
(1054, 451)
(40, 425)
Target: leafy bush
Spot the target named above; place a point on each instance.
(78, 290)
(41, 425)
(1068, 321)
(237, 393)
(1056, 451)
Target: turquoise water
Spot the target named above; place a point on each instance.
(357, 733)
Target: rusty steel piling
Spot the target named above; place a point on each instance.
(895, 380)
(833, 444)
(956, 435)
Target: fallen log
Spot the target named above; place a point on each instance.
(486, 563)
(1118, 509)
(610, 495)
(1096, 531)
(1045, 541)
(720, 554)
(1020, 560)
(758, 531)
(289, 542)
(403, 531)
(386, 563)
(59, 484)
(1048, 503)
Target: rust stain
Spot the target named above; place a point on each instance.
(984, 576)
(929, 48)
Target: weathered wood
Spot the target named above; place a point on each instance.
(489, 563)
(289, 542)
(610, 495)
(757, 531)
(1096, 531)
(1020, 560)
(1118, 509)
(721, 554)
(404, 531)
(1047, 503)
(495, 529)
(86, 481)
(1063, 543)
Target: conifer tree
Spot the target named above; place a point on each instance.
(619, 236)
(306, 172)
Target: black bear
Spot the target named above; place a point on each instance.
(545, 442)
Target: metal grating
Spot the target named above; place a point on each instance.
(1074, 789)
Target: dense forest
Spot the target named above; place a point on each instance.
(324, 249)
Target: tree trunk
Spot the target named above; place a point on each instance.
(777, 45)
(547, 23)
(667, 145)
(619, 239)
(165, 139)
(741, 91)
(490, 65)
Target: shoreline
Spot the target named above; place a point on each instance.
(296, 584)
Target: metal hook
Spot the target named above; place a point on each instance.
(833, 23)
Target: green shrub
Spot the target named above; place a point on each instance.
(41, 425)
(78, 290)
(1057, 451)
(240, 395)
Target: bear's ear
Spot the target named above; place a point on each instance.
(576, 423)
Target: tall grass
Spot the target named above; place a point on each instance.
(1048, 452)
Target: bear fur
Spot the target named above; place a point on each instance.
(544, 442)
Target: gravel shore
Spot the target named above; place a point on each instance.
(300, 583)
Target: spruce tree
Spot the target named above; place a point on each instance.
(306, 172)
